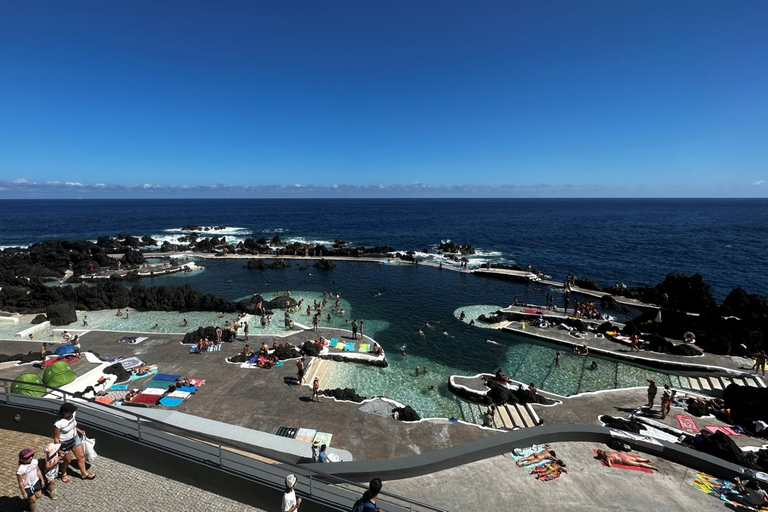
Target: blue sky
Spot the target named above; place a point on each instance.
(555, 98)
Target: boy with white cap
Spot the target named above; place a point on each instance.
(290, 502)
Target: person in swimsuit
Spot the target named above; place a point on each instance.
(625, 459)
(533, 458)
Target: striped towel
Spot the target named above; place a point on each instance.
(363, 347)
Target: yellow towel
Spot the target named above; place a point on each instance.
(340, 346)
(363, 347)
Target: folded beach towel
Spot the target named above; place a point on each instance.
(196, 382)
(104, 400)
(334, 341)
(118, 387)
(350, 346)
(339, 346)
(152, 371)
(117, 395)
(279, 363)
(363, 347)
(154, 391)
(166, 377)
(170, 402)
(188, 389)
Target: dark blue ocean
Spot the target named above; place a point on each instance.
(636, 242)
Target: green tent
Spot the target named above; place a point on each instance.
(58, 374)
(26, 385)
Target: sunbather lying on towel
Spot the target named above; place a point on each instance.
(625, 459)
(533, 458)
(549, 471)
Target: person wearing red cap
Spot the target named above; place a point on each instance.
(30, 478)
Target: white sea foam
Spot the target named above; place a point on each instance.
(313, 243)
(275, 230)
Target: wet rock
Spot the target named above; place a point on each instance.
(311, 349)
(406, 414)
(684, 349)
(39, 319)
(501, 395)
(282, 302)
(347, 394)
(207, 332)
(451, 247)
(253, 305)
(61, 313)
(256, 263)
(286, 352)
(324, 264)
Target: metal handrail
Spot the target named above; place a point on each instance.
(311, 473)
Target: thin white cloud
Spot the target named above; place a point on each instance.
(758, 183)
(73, 184)
(19, 181)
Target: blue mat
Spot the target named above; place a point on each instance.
(526, 452)
(349, 346)
(166, 377)
(170, 402)
(119, 387)
(188, 389)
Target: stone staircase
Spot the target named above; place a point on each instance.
(508, 416)
(317, 368)
(717, 383)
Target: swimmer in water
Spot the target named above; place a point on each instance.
(445, 333)
(421, 333)
(491, 341)
(426, 324)
(402, 350)
(417, 370)
(378, 294)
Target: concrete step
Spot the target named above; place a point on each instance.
(523, 412)
(751, 382)
(532, 414)
(514, 416)
(726, 381)
(503, 414)
(715, 383)
(704, 384)
(694, 382)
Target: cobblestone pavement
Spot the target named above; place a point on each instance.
(117, 487)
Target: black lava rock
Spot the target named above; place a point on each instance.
(347, 394)
(406, 414)
(61, 313)
(324, 264)
(39, 319)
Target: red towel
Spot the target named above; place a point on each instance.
(725, 430)
(622, 466)
(687, 423)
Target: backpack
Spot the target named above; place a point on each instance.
(362, 506)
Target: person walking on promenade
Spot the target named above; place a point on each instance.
(300, 372)
(52, 464)
(66, 433)
(362, 329)
(30, 478)
(367, 501)
(354, 329)
(316, 390)
(246, 330)
(290, 501)
(652, 390)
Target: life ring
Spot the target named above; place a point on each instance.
(689, 337)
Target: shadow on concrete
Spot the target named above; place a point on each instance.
(12, 504)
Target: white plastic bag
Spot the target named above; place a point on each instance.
(89, 449)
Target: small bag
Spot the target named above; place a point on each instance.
(89, 449)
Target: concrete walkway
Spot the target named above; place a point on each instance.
(117, 487)
(497, 484)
